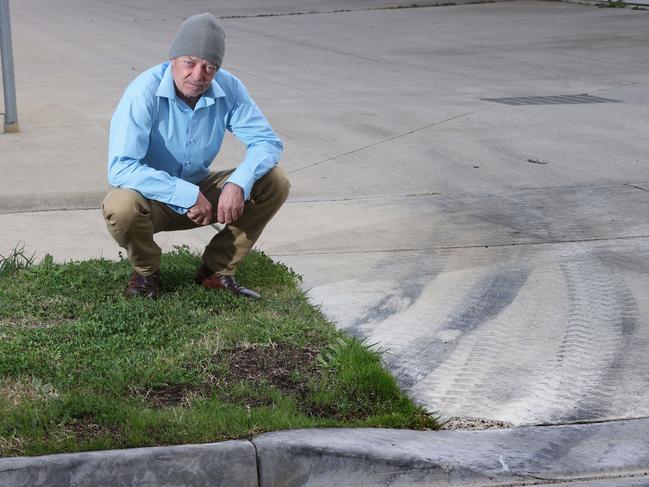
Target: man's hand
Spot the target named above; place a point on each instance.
(231, 203)
(201, 212)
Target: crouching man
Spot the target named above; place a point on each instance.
(165, 133)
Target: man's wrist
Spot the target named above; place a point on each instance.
(233, 184)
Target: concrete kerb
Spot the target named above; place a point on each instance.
(518, 456)
(212, 464)
(617, 452)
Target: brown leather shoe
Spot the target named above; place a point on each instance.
(144, 286)
(210, 280)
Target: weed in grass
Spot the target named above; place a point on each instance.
(12, 445)
(15, 261)
(83, 368)
(16, 391)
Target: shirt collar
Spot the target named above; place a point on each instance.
(167, 89)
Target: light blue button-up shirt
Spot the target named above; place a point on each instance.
(163, 149)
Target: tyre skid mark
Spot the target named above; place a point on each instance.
(488, 298)
(576, 385)
(579, 380)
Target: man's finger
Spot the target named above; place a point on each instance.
(226, 216)
(219, 214)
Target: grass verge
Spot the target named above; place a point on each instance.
(84, 368)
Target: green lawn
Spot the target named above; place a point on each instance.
(84, 368)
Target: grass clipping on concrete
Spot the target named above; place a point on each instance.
(84, 368)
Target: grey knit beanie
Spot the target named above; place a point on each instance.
(202, 36)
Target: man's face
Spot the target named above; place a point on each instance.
(192, 75)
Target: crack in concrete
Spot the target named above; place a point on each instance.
(257, 462)
(458, 247)
(48, 210)
(350, 10)
(459, 195)
(542, 188)
(591, 421)
(559, 481)
(389, 139)
(636, 187)
(623, 85)
(335, 200)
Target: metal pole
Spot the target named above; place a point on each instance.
(8, 80)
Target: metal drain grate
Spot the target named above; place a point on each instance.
(551, 100)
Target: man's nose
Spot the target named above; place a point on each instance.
(198, 72)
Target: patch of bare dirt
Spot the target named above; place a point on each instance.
(175, 395)
(284, 367)
(86, 429)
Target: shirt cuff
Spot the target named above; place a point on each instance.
(243, 178)
(184, 197)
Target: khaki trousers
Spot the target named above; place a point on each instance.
(132, 220)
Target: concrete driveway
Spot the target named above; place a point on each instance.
(497, 250)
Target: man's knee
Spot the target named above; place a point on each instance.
(121, 208)
(276, 184)
(282, 182)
